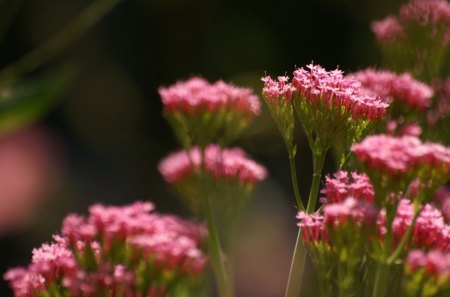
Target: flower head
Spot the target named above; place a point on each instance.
(332, 90)
(402, 88)
(402, 158)
(436, 264)
(208, 111)
(416, 39)
(232, 172)
(341, 186)
(350, 211)
(328, 104)
(440, 111)
(219, 163)
(312, 226)
(388, 29)
(112, 251)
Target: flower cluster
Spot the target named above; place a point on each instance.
(279, 90)
(416, 39)
(327, 103)
(350, 211)
(229, 172)
(388, 29)
(208, 112)
(433, 13)
(403, 157)
(341, 186)
(426, 271)
(435, 263)
(402, 88)
(312, 226)
(332, 90)
(429, 228)
(232, 163)
(116, 251)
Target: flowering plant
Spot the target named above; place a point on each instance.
(379, 226)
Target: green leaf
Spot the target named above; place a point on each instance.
(27, 101)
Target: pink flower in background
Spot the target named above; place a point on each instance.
(219, 163)
(388, 29)
(434, 263)
(400, 155)
(428, 227)
(442, 198)
(434, 14)
(124, 245)
(28, 169)
(332, 89)
(426, 12)
(341, 186)
(197, 95)
(397, 87)
(352, 211)
(441, 109)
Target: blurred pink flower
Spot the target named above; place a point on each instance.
(197, 95)
(441, 108)
(401, 155)
(434, 263)
(28, 169)
(397, 87)
(351, 211)
(388, 29)
(219, 163)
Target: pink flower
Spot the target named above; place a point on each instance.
(312, 226)
(388, 29)
(352, 211)
(340, 187)
(219, 163)
(276, 90)
(433, 14)
(197, 95)
(434, 263)
(442, 198)
(441, 110)
(426, 12)
(110, 253)
(400, 155)
(28, 169)
(334, 91)
(397, 87)
(429, 229)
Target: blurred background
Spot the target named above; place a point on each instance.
(101, 134)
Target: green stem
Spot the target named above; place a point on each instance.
(343, 288)
(382, 274)
(61, 40)
(298, 259)
(297, 267)
(215, 251)
(318, 161)
(295, 182)
(405, 239)
(381, 277)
